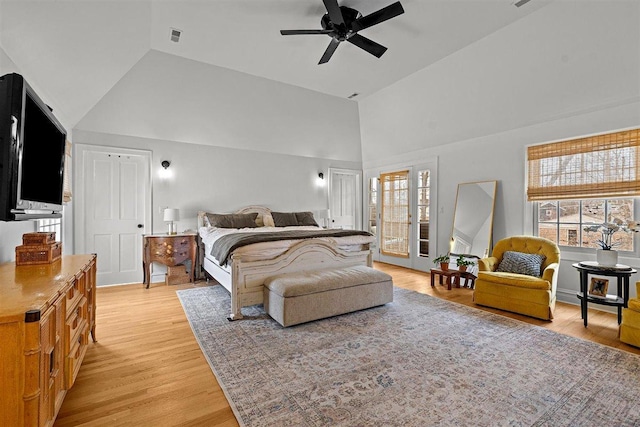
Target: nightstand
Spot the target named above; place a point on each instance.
(170, 250)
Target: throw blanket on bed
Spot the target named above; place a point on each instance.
(223, 247)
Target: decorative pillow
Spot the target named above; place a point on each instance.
(287, 219)
(306, 218)
(232, 220)
(521, 263)
(284, 219)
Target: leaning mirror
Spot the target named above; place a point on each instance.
(473, 219)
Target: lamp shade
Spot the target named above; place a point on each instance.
(171, 215)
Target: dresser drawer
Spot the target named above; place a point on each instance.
(170, 250)
(75, 293)
(75, 356)
(75, 324)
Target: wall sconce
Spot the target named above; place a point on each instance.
(165, 173)
(320, 180)
(321, 175)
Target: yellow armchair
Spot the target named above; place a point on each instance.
(520, 293)
(630, 326)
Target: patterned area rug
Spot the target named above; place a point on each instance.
(420, 361)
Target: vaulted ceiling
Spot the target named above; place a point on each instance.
(78, 50)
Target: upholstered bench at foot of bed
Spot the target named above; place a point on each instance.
(295, 298)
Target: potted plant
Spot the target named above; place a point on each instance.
(443, 260)
(463, 263)
(605, 254)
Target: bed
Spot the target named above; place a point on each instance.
(248, 266)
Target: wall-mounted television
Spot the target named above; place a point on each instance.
(32, 153)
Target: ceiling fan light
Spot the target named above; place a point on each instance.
(342, 23)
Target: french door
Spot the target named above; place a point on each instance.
(395, 218)
(399, 213)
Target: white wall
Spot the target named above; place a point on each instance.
(232, 139)
(219, 179)
(565, 59)
(557, 74)
(62, 45)
(171, 98)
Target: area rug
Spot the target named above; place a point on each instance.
(419, 361)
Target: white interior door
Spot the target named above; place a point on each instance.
(345, 199)
(114, 210)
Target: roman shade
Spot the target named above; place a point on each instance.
(597, 166)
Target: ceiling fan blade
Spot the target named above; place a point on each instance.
(370, 46)
(329, 52)
(295, 32)
(334, 11)
(377, 17)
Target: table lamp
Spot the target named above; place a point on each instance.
(170, 216)
(323, 214)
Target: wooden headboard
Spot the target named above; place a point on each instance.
(264, 215)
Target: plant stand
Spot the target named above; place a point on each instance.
(453, 278)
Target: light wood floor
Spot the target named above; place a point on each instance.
(147, 369)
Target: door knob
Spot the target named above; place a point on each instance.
(140, 225)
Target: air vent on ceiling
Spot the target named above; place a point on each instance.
(175, 35)
(522, 3)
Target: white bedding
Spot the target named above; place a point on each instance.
(270, 250)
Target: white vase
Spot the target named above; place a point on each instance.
(607, 258)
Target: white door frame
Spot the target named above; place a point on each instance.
(80, 150)
(423, 264)
(418, 262)
(358, 204)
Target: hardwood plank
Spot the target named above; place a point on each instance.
(147, 368)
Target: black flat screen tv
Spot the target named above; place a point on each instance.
(32, 154)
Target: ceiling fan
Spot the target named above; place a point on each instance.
(342, 23)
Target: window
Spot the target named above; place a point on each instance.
(49, 225)
(582, 182)
(568, 218)
(394, 232)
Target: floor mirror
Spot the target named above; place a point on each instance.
(473, 219)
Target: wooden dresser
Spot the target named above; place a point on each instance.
(47, 312)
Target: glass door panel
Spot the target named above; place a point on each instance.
(423, 213)
(395, 216)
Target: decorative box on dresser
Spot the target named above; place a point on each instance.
(47, 312)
